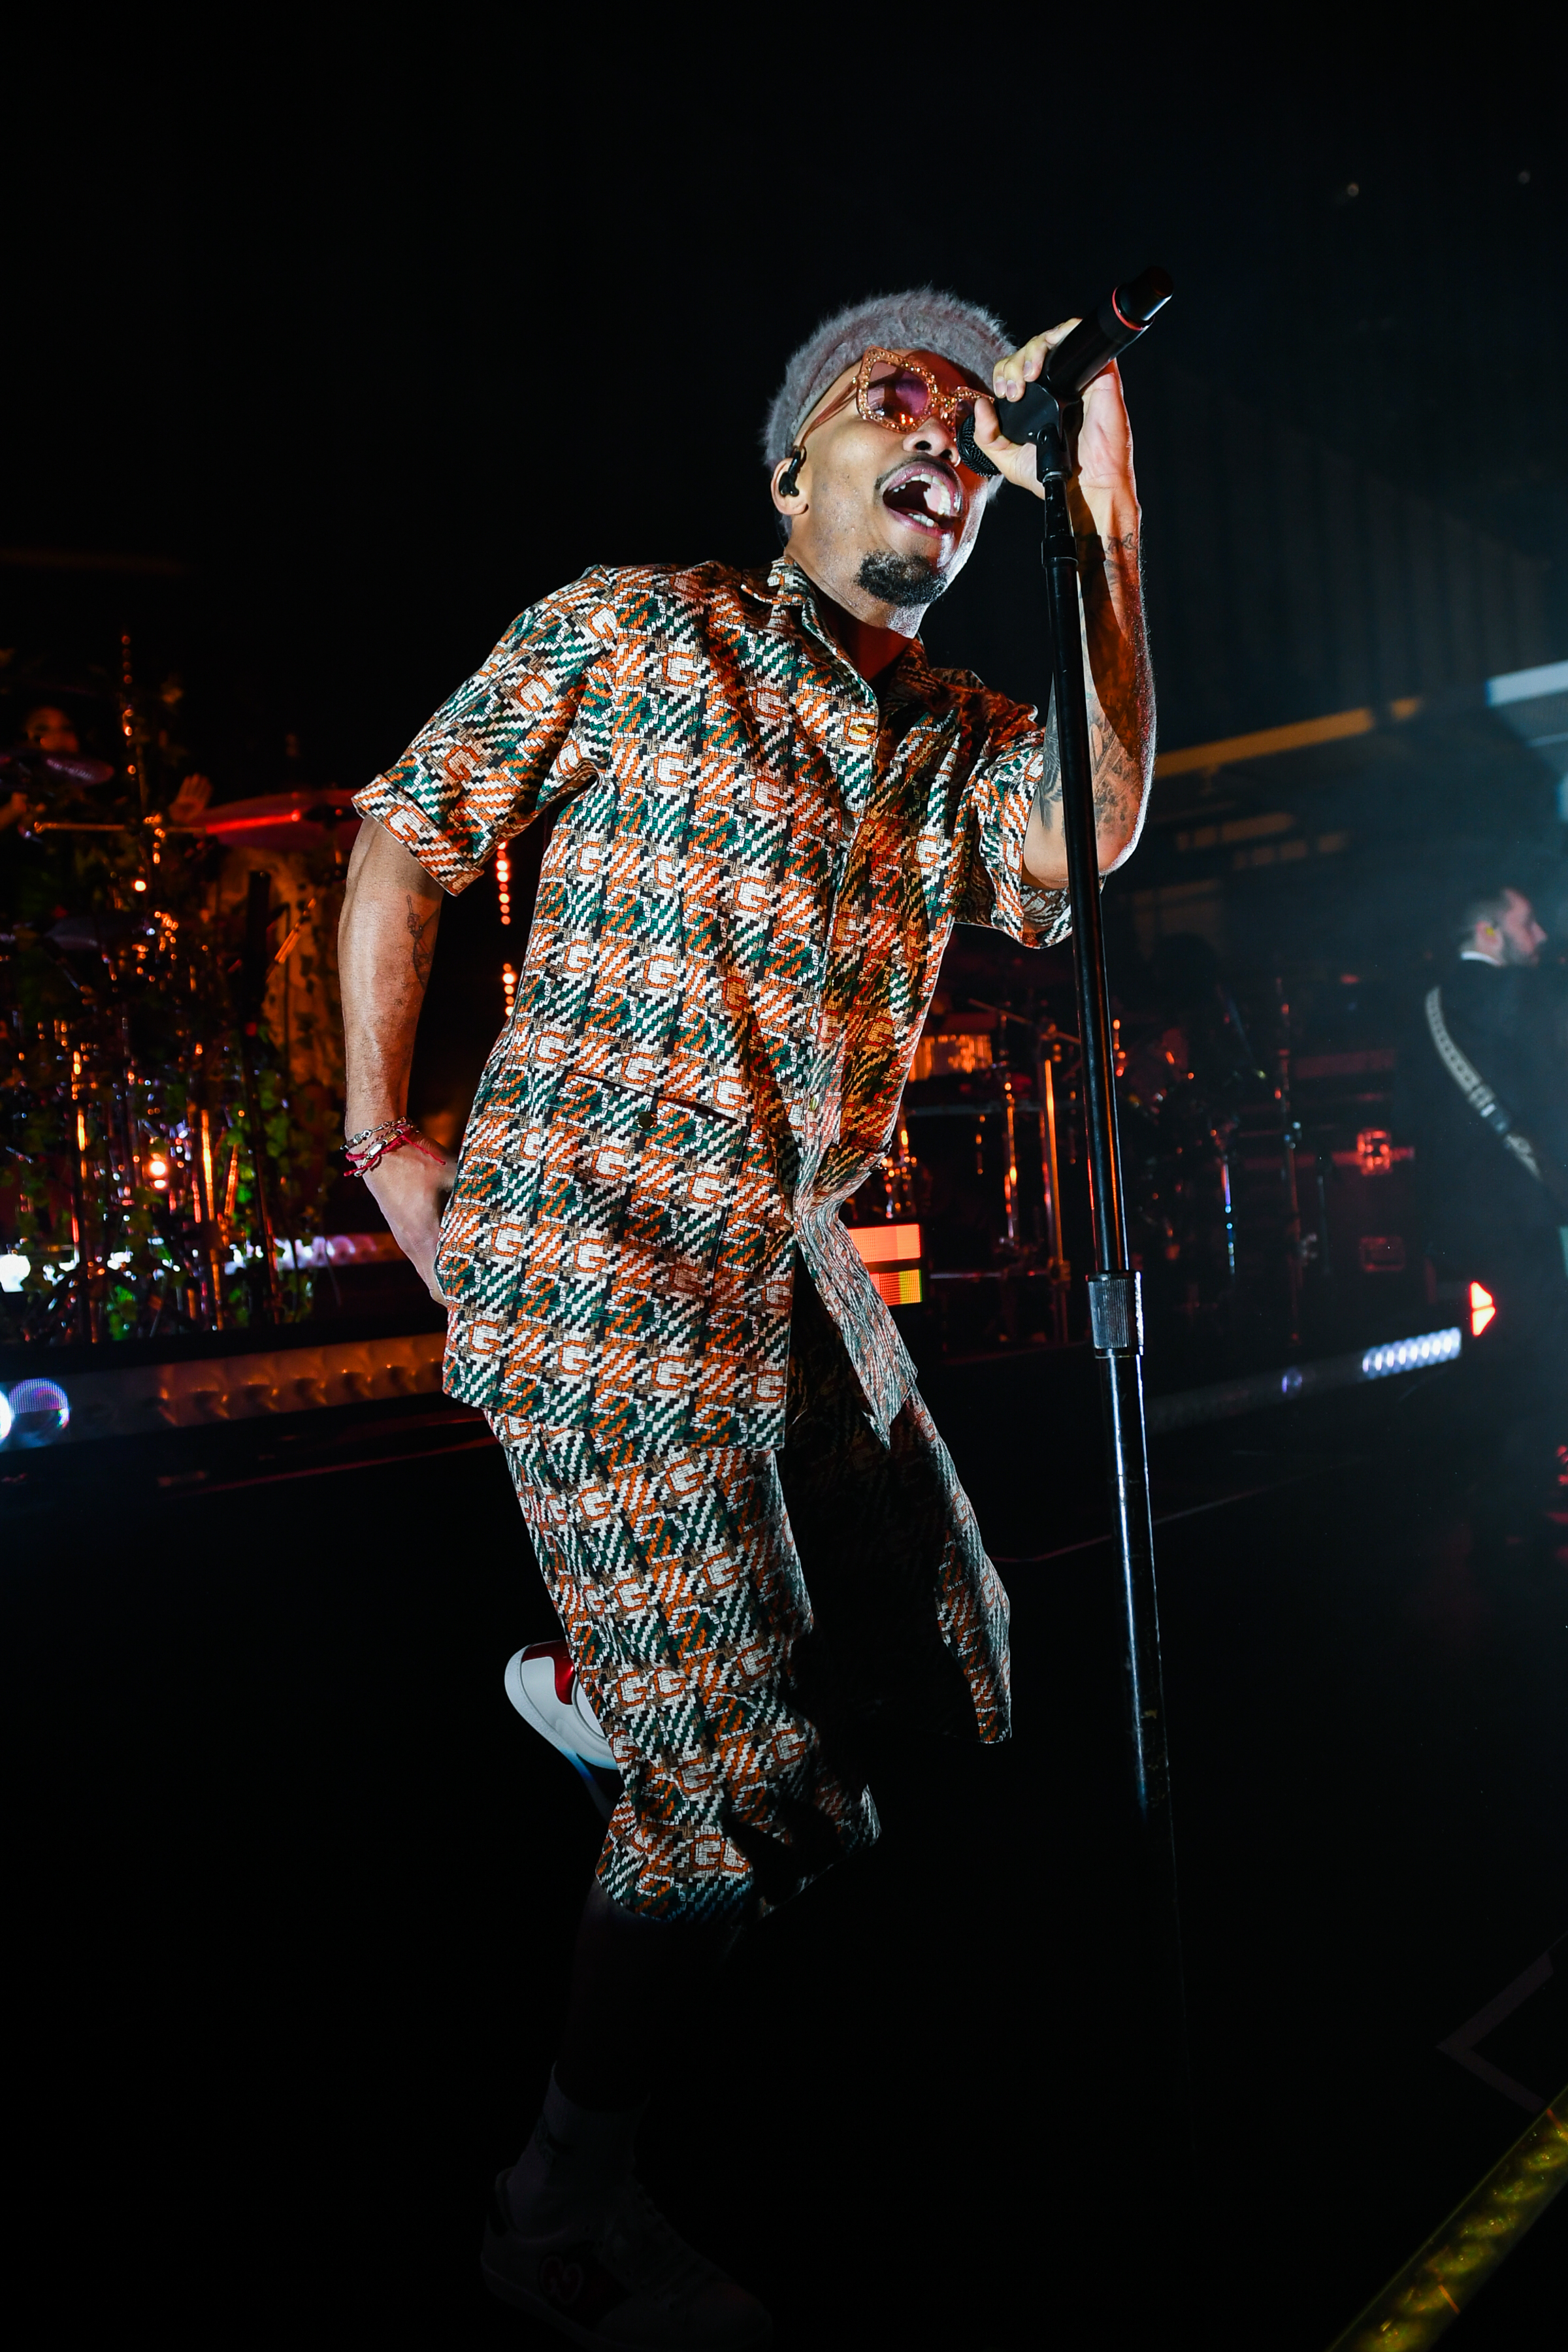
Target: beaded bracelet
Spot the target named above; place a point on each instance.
(372, 1135)
(366, 1151)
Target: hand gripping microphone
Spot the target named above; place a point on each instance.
(1075, 362)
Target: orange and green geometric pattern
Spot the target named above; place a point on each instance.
(745, 1622)
(741, 914)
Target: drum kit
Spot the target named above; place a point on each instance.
(985, 1176)
(989, 1118)
(170, 1076)
(160, 1149)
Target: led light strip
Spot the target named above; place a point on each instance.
(1409, 1355)
(1428, 2294)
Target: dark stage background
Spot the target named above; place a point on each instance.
(317, 379)
(317, 370)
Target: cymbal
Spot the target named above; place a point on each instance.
(85, 933)
(302, 818)
(57, 767)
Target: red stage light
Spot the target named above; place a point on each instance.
(1483, 1307)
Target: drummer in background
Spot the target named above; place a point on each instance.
(1485, 1217)
(46, 729)
(50, 728)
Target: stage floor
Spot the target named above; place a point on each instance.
(292, 1894)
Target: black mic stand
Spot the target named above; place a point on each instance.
(1048, 415)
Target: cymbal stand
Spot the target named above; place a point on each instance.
(1048, 1043)
(208, 1249)
(82, 1292)
(1289, 1137)
(252, 984)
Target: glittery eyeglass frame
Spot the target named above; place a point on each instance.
(949, 407)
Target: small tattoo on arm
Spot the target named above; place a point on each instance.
(1049, 791)
(421, 953)
(1117, 780)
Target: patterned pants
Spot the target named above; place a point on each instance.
(742, 1622)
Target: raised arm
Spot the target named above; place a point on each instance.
(1121, 684)
(385, 942)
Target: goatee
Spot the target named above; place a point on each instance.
(900, 580)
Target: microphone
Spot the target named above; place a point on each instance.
(1120, 319)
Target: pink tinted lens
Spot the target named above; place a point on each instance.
(898, 396)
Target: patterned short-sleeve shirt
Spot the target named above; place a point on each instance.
(742, 913)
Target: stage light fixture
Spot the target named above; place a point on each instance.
(891, 1254)
(1411, 1355)
(1483, 1307)
(40, 1411)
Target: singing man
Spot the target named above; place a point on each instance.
(770, 810)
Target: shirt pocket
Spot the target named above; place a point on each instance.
(684, 1192)
(654, 1180)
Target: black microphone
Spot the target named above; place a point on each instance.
(1120, 319)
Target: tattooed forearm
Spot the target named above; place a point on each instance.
(1122, 697)
(421, 930)
(1119, 695)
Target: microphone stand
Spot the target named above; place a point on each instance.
(1115, 1301)
(1048, 415)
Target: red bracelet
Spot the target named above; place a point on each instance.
(368, 1151)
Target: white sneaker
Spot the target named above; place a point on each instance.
(626, 2280)
(545, 1691)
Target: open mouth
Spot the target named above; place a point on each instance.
(925, 497)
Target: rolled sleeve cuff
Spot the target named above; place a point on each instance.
(1036, 918)
(454, 855)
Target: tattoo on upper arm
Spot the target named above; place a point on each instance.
(422, 953)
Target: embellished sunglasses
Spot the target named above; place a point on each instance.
(895, 389)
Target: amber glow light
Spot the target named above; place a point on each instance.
(503, 891)
(1483, 1307)
(891, 1254)
(508, 986)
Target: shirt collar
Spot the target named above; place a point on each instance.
(909, 680)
